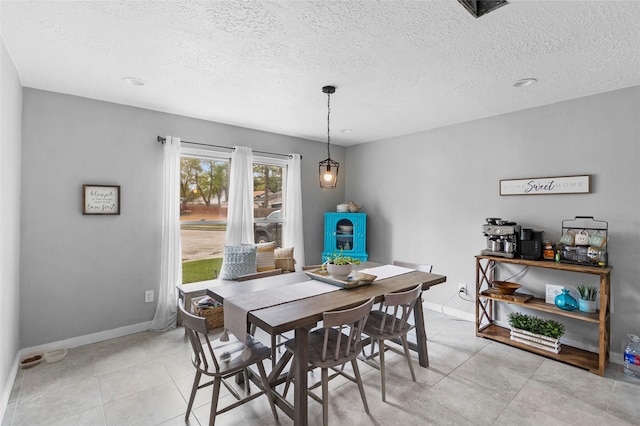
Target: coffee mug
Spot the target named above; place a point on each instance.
(568, 238)
(597, 240)
(582, 238)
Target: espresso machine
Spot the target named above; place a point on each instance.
(503, 238)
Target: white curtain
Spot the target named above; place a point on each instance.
(170, 264)
(293, 232)
(240, 213)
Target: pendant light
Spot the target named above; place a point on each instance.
(328, 169)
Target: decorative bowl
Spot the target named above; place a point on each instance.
(339, 272)
(55, 355)
(345, 228)
(31, 360)
(506, 287)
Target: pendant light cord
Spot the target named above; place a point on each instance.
(328, 124)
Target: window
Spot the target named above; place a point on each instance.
(204, 185)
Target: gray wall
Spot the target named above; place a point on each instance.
(87, 274)
(10, 142)
(428, 194)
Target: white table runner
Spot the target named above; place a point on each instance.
(237, 307)
(387, 271)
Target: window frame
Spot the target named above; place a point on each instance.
(214, 154)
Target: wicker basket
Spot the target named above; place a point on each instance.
(213, 314)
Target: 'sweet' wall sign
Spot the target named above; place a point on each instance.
(548, 185)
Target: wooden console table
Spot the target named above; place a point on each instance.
(485, 327)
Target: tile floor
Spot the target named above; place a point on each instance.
(145, 379)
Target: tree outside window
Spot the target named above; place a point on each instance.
(204, 186)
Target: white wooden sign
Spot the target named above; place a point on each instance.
(101, 199)
(547, 185)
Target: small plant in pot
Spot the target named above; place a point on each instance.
(339, 266)
(588, 295)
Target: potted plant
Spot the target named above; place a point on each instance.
(339, 266)
(533, 331)
(588, 295)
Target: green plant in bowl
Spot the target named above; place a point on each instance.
(338, 258)
(339, 266)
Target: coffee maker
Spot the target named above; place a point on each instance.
(530, 244)
(503, 238)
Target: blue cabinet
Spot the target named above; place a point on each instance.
(346, 232)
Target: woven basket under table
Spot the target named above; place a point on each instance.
(213, 314)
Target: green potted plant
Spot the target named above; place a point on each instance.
(588, 294)
(536, 332)
(339, 266)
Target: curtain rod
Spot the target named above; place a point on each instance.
(162, 140)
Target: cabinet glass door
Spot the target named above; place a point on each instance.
(344, 235)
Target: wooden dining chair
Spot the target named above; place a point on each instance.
(223, 360)
(330, 347)
(262, 274)
(311, 267)
(391, 322)
(416, 266)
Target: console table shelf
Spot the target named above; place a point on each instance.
(485, 304)
(568, 354)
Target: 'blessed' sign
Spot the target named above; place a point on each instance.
(100, 199)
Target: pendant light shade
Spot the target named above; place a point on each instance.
(328, 169)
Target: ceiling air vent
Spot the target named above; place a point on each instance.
(480, 7)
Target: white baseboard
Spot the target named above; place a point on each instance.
(87, 339)
(73, 342)
(8, 387)
(616, 358)
(467, 316)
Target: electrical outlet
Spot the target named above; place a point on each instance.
(148, 296)
(462, 288)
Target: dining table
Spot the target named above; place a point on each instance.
(302, 315)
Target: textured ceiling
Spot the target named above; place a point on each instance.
(400, 67)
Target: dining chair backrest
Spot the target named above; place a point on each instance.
(311, 267)
(261, 274)
(416, 266)
(352, 322)
(399, 306)
(198, 331)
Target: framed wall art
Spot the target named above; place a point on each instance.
(101, 199)
(546, 185)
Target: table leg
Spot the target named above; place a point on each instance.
(300, 384)
(421, 335)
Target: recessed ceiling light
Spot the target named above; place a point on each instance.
(525, 82)
(346, 131)
(134, 81)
